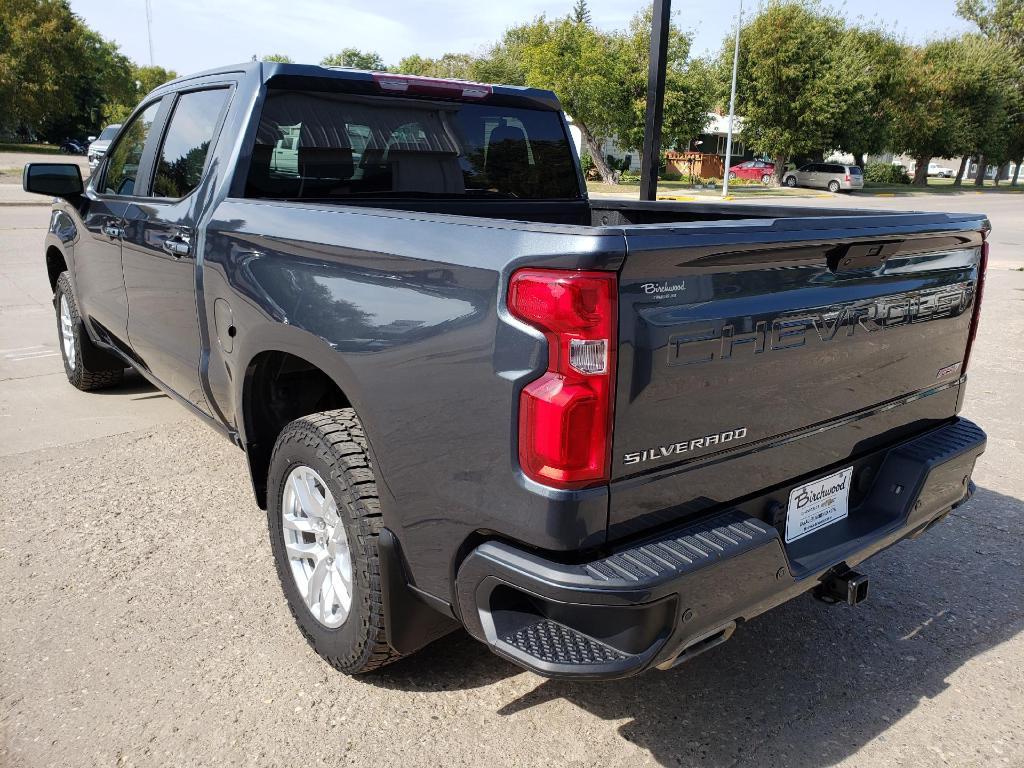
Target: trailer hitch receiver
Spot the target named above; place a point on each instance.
(844, 586)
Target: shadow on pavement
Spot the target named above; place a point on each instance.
(806, 684)
(134, 384)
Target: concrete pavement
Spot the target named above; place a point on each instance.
(141, 622)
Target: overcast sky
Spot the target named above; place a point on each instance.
(193, 35)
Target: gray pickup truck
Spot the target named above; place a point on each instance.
(598, 435)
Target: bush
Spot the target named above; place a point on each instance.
(886, 173)
(629, 178)
(587, 163)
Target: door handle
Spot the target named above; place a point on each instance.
(113, 231)
(177, 247)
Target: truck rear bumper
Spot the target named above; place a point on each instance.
(661, 601)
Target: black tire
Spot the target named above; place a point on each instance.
(833, 186)
(81, 368)
(791, 182)
(732, 176)
(766, 179)
(333, 444)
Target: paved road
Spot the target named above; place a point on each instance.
(141, 623)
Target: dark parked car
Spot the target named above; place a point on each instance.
(599, 435)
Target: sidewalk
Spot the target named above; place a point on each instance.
(11, 164)
(12, 194)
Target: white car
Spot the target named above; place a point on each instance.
(934, 169)
(98, 146)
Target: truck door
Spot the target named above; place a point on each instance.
(99, 283)
(159, 253)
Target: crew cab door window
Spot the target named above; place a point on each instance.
(186, 144)
(126, 156)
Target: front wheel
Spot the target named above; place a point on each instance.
(833, 186)
(791, 181)
(76, 348)
(766, 179)
(732, 176)
(324, 519)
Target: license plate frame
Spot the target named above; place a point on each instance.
(817, 504)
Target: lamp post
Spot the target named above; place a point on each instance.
(651, 157)
(732, 104)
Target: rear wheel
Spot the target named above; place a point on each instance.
(324, 519)
(833, 186)
(76, 348)
(766, 179)
(791, 181)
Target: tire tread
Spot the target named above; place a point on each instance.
(337, 437)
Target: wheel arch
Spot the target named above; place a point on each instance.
(277, 388)
(55, 264)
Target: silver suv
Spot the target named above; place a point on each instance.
(830, 176)
(99, 146)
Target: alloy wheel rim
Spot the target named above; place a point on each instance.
(317, 548)
(67, 333)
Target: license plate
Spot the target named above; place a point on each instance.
(817, 504)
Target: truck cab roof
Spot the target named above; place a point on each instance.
(344, 78)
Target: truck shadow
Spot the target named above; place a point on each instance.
(807, 684)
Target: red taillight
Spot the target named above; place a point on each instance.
(847, 177)
(979, 291)
(565, 416)
(431, 86)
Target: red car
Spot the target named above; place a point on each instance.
(753, 169)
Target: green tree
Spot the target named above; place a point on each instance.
(280, 58)
(871, 60)
(954, 99)
(577, 62)
(689, 86)
(460, 66)
(143, 79)
(354, 58)
(1002, 21)
(580, 13)
(791, 89)
(997, 19)
(52, 69)
(504, 62)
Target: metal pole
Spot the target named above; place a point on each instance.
(651, 155)
(732, 104)
(149, 30)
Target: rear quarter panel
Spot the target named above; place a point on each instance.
(405, 313)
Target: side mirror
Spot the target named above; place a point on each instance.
(90, 139)
(53, 179)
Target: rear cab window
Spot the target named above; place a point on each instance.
(331, 146)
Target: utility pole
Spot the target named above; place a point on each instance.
(149, 30)
(650, 159)
(732, 104)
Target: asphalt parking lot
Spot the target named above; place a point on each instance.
(141, 621)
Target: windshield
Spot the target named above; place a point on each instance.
(318, 145)
(108, 133)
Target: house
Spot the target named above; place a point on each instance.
(711, 141)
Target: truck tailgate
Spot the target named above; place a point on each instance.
(754, 352)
